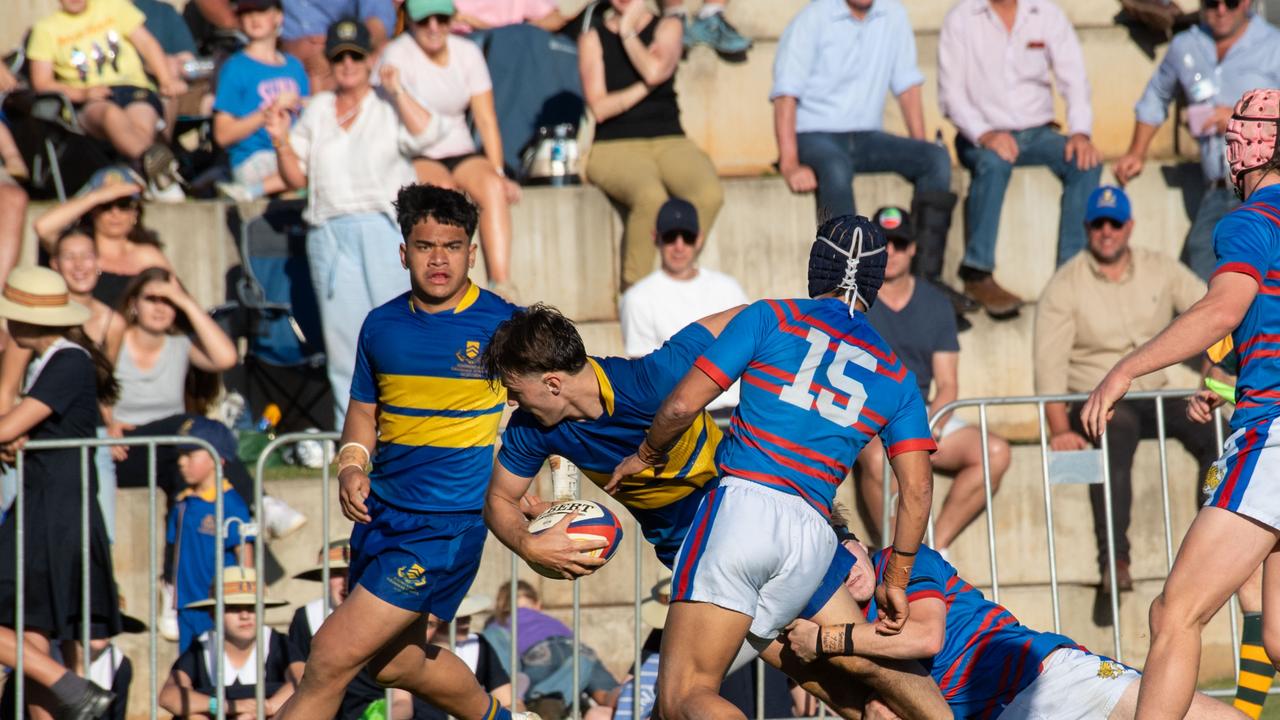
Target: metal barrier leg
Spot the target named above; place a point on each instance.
(85, 600)
(19, 584)
(153, 642)
(219, 599)
(1048, 518)
(1111, 548)
(1164, 485)
(986, 489)
(759, 689)
(637, 660)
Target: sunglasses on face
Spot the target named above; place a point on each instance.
(1213, 4)
(440, 18)
(122, 204)
(155, 299)
(345, 55)
(675, 235)
(900, 243)
(1106, 222)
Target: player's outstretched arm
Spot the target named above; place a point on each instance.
(1191, 333)
(677, 413)
(359, 436)
(920, 639)
(505, 516)
(915, 499)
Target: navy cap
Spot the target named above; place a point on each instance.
(348, 34)
(894, 222)
(247, 6)
(841, 242)
(677, 214)
(1108, 202)
(212, 432)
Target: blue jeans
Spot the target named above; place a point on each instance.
(835, 157)
(1036, 146)
(1198, 254)
(355, 267)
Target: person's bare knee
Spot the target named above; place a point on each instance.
(394, 667)
(998, 458)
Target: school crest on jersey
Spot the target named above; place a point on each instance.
(469, 360)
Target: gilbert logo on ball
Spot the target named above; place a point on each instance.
(593, 521)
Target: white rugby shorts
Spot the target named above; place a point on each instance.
(1073, 685)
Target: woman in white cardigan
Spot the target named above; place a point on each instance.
(352, 150)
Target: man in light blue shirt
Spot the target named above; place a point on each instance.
(835, 64)
(1232, 50)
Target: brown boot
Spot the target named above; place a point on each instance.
(999, 303)
(1124, 579)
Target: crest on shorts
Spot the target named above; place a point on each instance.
(1110, 670)
(409, 578)
(1212, 479)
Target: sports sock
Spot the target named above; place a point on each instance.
(69, 688)
(1256, 670)
(496, 711)
(709, 9)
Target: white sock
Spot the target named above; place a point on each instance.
(709, 9)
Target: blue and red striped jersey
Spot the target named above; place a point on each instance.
(1247, 241)
(817, 385)
(988, 657)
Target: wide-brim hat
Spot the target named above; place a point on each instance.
(653, 609)
(239, 587)
(339, 559)
(38, 296)
(474, 605)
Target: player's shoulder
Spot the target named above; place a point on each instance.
(493, 304)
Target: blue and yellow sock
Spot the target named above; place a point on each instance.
(1256, 670)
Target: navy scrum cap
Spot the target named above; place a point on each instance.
(849, 255)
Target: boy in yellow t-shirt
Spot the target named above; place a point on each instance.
(98, 53)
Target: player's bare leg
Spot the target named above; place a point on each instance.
(1203, 707)
(1202, 580)
(430, 672)
(699, 642)
(361, 629)
(842, 682)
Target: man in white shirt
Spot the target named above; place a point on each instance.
(665, 301)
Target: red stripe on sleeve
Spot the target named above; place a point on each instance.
(925, 595)
(713, 372)
(925, 444)
(1238, 267)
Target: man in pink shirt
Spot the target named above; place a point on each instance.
(997, 62)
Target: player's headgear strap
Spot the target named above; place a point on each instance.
(1251, 133)
(848, 254)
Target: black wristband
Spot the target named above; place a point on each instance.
(896, 551)
(848, 638)
(818, 645)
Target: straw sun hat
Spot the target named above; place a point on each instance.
(653, 609)
(339, 552)
(239, 585)
(38, 296)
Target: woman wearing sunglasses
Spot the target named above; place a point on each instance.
(108, 209)
(352, 149)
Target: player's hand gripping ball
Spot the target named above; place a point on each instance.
(593, 522)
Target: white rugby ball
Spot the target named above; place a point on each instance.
(593, 521)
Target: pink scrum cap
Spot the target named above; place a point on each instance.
(1251, 133)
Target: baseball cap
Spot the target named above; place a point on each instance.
(212, 432)
(677, 214)
(1108, 202)
(244, 6)
(419, 10)
(112, 175)
(347, 34)
(894, 222)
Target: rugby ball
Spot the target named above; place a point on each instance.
(593, 521)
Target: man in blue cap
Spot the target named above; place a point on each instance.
(1100, 305)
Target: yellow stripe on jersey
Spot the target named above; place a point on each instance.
(606, 387)
(438, 431)
(647, 491)
(423, 392)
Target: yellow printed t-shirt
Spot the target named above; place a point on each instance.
(92, 48)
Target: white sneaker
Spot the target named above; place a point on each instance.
(168, 613)
(168, 194)
(280, 519)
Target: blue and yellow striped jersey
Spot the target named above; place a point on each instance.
(632, 390)
(437, 414)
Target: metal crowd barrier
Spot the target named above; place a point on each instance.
(87, 497)
(982, 404)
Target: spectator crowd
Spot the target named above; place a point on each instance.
(335, 105)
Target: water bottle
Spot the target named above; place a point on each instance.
(1202, 87)
(559, 156)
(198, 69)
(270, 418)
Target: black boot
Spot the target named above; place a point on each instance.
(931, 213)
(90, 706)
